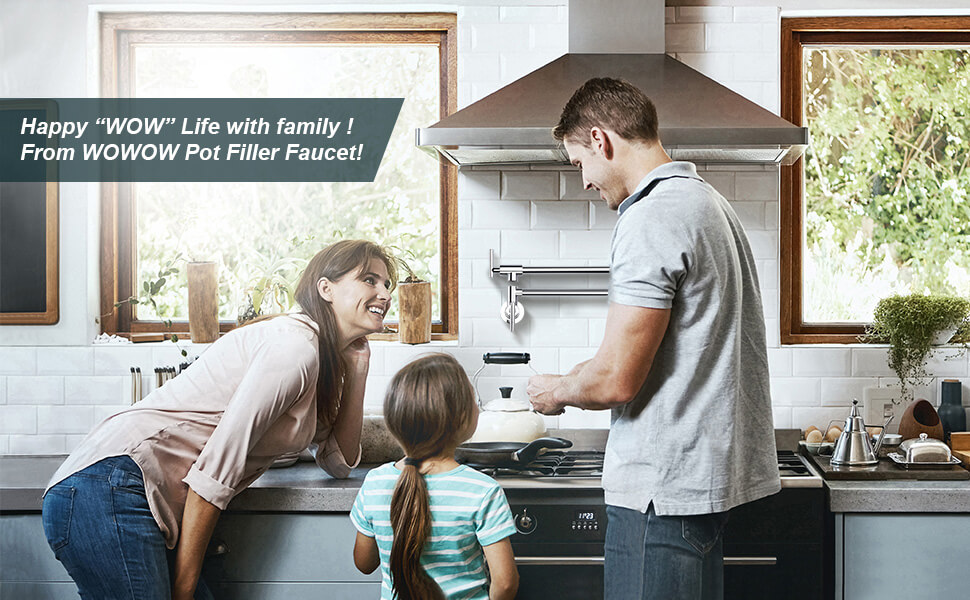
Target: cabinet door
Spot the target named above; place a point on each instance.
(273, 547)
(903, 555)
(796, 574)
(28, 568)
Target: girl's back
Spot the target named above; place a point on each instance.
(468, 511)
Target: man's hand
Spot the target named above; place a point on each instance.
(541, 392)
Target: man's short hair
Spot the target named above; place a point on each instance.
(608, 103)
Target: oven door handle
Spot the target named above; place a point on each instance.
(750, 561)
(559, 560)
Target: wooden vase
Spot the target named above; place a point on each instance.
(415, 310)
(203, 302)
(920, 417)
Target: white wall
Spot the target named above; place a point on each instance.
(54, 385)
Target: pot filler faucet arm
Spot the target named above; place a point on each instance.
(512, 310)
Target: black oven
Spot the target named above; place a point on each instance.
(777, 547)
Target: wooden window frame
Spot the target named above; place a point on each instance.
(120, 31)
(796, 34)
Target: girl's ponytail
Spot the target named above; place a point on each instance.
(429, 406)
(411, 522)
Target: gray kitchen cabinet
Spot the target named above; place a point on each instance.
(264, 556)
(901, 555)
(287, 556)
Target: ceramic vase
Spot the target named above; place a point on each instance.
(952, 414)
(920, 417)
(203, 302)
(415, 312)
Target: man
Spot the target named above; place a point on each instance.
(683, 363)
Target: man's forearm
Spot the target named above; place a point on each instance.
(591, 387)
(198, 521)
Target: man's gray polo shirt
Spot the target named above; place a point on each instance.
(698, 438)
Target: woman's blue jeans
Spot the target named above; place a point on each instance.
(100, 527)
(649, 557)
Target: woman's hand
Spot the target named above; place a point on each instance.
(357, 356)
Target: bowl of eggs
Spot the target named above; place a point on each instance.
(818, 443)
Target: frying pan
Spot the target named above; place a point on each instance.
(505, 454)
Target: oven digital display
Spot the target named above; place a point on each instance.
(585, 515)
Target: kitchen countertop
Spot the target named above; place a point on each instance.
(304, 487)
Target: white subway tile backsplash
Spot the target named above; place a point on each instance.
(500, 37)
(601, 216)
(530, 185)
(65, 361)
(947, 362)
(18, 360)
(494, 332)
(871, 362)
(593, 245)
(479, 66)
(733, 37)
(97, 390)
(781, 417)
(755, 66)
(572, 214)
(752, 90)
(478, 14)
(559, 333)
(803, 417)
(704, 14)
(821, 362)
(549, 37)
(756, 14)
(18, 419)
(65, 419)
(529, 14)
(512, 214)
(571, 187)
(794, 391)
(779, 362)
(37, 444)
(72, 441)
(597, 330)
(751, 214)
(103, 412)
(480, 302)
(722, 181)
(684, 37)
(756, 186)
(3, 390)
(516, 65)
(570, 357)
(474, 243)
(764, 244)
(4, 444)
(532, 244)
(771, 36)
(768, 274)
(771, 215)
(772, 333)
(35, 389)
(481, 275)
(586, 307)
(478, 185)
(841, 391)
(375, 391)
(118, 360)
(719, 66)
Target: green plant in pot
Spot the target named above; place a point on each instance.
(414, 304)
(912, 325)
(150, 289)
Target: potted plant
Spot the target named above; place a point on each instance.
(414, 302)
(150, 289)
(912, 325)
(272, 289)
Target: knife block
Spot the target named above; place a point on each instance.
(920, 417)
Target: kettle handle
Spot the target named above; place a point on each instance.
(506, 358)
(882, 434)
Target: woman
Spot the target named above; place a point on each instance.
(131, 510)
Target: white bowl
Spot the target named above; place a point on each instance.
(814, 447)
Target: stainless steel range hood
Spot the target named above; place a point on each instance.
(700, 119)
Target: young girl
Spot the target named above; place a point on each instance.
(426, 520)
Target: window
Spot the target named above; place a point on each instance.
(261, 234)
(878, 205)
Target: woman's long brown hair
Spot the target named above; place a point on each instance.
(333, 262)
(429, 403)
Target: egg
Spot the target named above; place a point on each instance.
(814, 436)
(809, 430)
(833, 434)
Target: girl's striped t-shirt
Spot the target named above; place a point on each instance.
(468, 511)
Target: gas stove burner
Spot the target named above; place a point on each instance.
(790, 465)
(553, 463)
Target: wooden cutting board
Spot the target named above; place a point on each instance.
(964, 456)
(885, 470)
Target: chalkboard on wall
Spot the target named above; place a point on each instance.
(28, 234)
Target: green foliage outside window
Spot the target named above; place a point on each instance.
(887, 177)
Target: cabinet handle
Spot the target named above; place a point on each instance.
(750, 561)
(559, 560)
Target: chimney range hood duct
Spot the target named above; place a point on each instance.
(700, 119)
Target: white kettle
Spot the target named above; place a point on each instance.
(506, 419)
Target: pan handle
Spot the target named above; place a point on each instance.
(506, 358)
(528, 453)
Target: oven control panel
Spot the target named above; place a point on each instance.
(560, 523)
